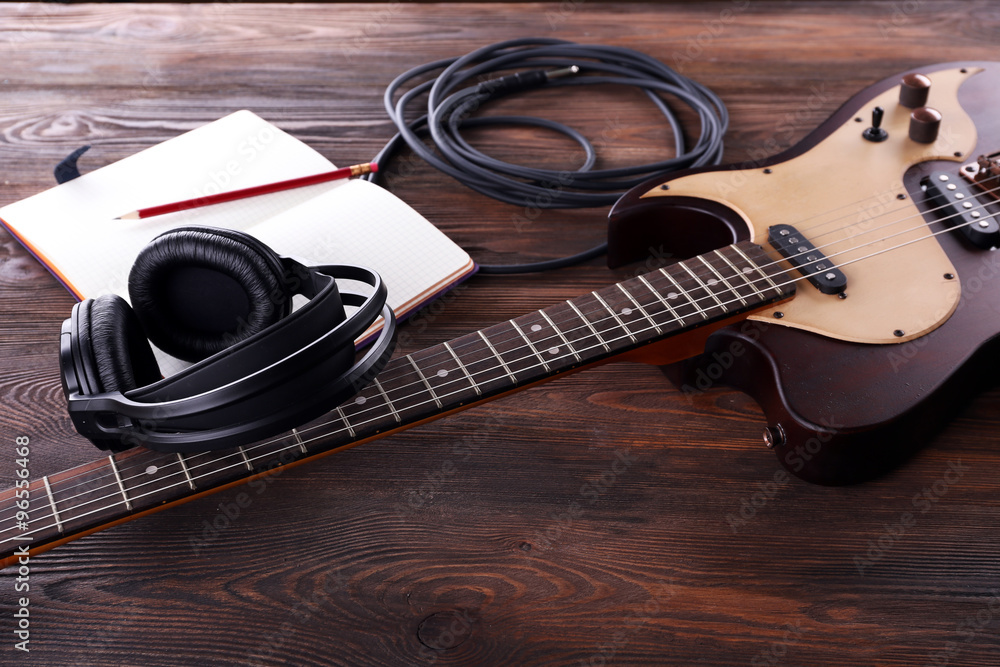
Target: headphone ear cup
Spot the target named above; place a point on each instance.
(113, 338)
(197, 291)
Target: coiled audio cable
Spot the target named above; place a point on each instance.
(531, 63)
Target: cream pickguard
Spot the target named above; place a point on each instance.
(846, 196)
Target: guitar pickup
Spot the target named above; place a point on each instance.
(956, 205)
(804, 256)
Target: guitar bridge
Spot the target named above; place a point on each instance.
(804, 256)
(984, 172)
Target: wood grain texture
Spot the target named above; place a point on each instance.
(459, 542)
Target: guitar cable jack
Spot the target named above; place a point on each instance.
(774, 436)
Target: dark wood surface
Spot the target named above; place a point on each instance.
(452, 543)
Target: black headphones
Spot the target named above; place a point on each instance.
(222, 299)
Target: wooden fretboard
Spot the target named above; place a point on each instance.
(413, 388)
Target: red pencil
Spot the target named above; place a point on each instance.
(208, 200)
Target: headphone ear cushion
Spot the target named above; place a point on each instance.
(197, 291)
(113, 337)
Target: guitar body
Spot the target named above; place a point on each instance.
(847, 394)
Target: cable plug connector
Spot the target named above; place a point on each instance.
(560, 73)
(513, 83)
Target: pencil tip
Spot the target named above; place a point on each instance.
(133, 215)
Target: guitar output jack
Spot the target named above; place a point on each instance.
(774, 436)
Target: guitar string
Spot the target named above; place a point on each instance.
(688, 283)
(594, 321)
(684, 283)
(540, 342)
(238, 457)
(162, 477)
(644, 307)
(925, 199)
(270, 455)
(911, 216)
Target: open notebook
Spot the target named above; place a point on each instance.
(71, 227)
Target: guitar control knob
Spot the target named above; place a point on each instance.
(913, 90)
(924, 125)
(875, 132)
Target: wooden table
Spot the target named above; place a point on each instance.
(451, 543)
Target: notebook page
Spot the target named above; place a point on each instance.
(360, 223)
(71, 227)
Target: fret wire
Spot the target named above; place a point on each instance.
(569, 347)
(58, 517)
(385, 396)
(350, 428)
(187, 473)
(680, 286)
(245, 459)
(135, 496)
(459, 391)
(590, 326)
(346, 423)
(659, 296)
(522, 357)
(587, 322)
(657, 293)
(702, 285)
(479, 392)
(693, 302)
(723, 279)
(530, 344)
(754, 266)
(497, 355)
(641, 309)
(564, 339)
(423, 379)
(499, 358)
(119, 480)
(139, 496)
(164, 466)
(143, 495)
(55, 511)
(614, 315)
(740, 274)
(298, 439)
(114, 468)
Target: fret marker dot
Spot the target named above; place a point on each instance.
(360, 400)
(442, 373)
(553, 350)
(151, 470)
(672, 295)
(747, 269)
(626, 311)
(712, 282)
(536, 327)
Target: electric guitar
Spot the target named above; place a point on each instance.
(847, 284)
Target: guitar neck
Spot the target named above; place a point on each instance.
(410, 390)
